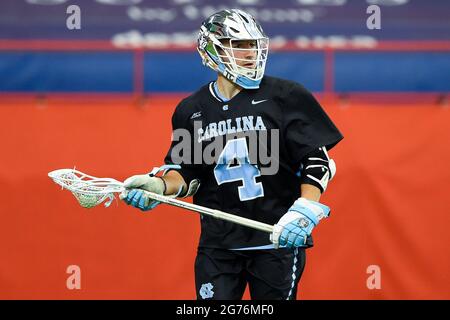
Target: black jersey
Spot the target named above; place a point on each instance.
(237, 182)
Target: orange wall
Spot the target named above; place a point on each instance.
(389, 205)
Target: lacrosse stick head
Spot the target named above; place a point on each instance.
(88, 190)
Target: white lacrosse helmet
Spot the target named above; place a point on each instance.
(220, 46)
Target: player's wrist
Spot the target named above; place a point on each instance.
(314, 210)
(164, 185)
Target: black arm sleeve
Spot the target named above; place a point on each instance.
(306, 126)
(179, 152)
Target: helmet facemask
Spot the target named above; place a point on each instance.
(245, 58)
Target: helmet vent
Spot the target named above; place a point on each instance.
(245, 19)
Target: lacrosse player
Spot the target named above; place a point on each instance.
(242, 101)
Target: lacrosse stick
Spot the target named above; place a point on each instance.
(91, 191)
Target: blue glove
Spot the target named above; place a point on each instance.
(297, 224)
(139, 199)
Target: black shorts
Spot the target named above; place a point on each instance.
(271, 274)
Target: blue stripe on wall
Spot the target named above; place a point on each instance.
(172, 72)
(175, 72)
(392, 71)
(66, 71)
(184, 72)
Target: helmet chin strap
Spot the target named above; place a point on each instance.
(246, 83)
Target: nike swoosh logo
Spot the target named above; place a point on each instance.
(258, 102)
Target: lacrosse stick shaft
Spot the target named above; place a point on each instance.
(212, 212)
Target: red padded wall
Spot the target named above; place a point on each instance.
(389, 205)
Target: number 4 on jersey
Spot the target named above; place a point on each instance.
(244, 171)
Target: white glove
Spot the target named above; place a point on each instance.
(145, 182)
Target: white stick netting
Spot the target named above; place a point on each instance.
(88, 190)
